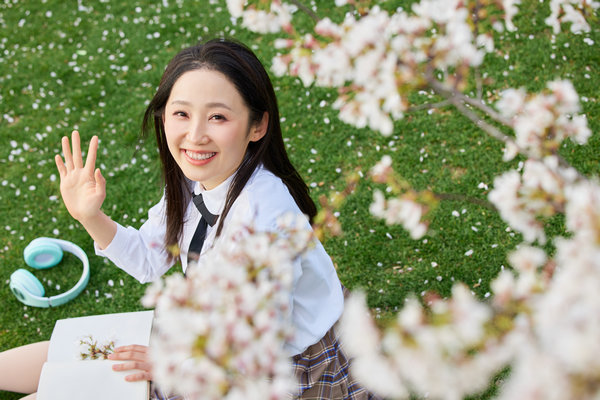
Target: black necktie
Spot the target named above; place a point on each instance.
(200, 234)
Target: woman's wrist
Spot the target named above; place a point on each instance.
(101, 228)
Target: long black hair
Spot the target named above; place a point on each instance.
(243, 69)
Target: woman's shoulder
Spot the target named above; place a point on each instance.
(266, 197)
(264, 180)
(265, 186)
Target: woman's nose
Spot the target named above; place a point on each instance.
(197, 133)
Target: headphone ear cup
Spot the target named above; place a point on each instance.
(42, 253)
(23, 283)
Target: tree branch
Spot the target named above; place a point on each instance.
(428, 106)
(479, 85)
(449, 93)
(307, 10)
(460, 101)
(490, 129)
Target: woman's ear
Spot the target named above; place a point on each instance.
(260, 129)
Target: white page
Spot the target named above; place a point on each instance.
(66, 377)
(88, 380)
(123, 328)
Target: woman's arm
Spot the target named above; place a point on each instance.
(83, 189)
(140, 253)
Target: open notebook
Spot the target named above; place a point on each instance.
(66, 377)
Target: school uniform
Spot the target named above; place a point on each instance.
(317, 296)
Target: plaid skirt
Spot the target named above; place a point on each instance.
(322, 371)
(157, 394)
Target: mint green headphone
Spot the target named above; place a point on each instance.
(44, 253)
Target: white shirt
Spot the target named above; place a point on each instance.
(317, 299)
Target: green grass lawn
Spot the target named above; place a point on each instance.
(96, 67)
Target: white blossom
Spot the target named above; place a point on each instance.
(431, 359)
(363, 343)
(220, 332)
(511, 102)
(567, 100)
(527, 258)
(542, 121)
(543, 319)
(261, 21)
(382, 168)
(235, 7)
(568, 315)
(378, 53)
(535, 375)
(505, 196)
(399, 211)
(571, 11)
(583, 210)
(510, 10)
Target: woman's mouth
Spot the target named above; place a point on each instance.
(199, 156)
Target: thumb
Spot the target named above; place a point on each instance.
(100, 181)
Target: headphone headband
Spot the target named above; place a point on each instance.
(25, 288)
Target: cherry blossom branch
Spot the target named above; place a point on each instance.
(449, 93)
(476, 71)
(478, 85)
(460, 101)
(428, 106)
(480, 123)
(497, 134)
(307, 10)
(540, 315)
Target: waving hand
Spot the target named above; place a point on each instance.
(83, 189)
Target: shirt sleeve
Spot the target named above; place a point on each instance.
(141, 253)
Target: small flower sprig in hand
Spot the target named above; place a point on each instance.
(91, 350)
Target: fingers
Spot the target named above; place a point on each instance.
(62, 169)
(140, 376)
(143, 372)
(90, 161)
(136, 357)
(73, 158)
(76, 140)
(131, 348)
(132, 352)
(66, 148)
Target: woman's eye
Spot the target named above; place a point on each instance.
(217, 117)
(180, 114)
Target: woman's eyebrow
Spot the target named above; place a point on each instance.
(218, 105)
(182, 102)
(207, 105)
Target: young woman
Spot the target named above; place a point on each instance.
(216, 122)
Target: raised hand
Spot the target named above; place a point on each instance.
(83, 188)
(136, 358)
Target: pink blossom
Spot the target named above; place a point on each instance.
(220, 332)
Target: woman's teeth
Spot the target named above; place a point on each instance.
(199, 156)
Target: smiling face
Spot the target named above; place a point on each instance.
(207, 126)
